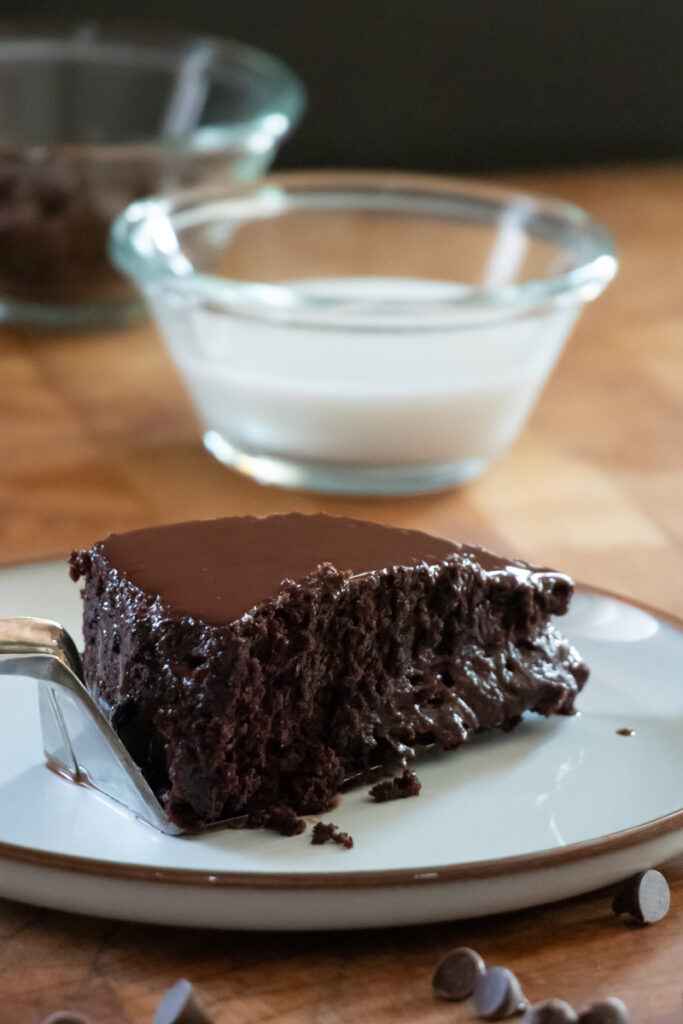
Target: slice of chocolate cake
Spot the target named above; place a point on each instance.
(250, 662)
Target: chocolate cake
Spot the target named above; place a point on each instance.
(250, 662)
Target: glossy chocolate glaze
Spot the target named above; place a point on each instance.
(217, 570)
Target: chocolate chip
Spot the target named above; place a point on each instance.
(66, 1017)
(550, 1011)
(457, 974)
(645, 897)
(498, 994)
(607, 1011)
(180, 1005)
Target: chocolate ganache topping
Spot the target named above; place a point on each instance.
(219, 569)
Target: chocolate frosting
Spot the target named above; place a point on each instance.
(217, 570)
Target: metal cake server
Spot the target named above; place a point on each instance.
(78, 741)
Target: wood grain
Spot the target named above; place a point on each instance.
(97, 435)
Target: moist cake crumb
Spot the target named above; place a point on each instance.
(279, 819)
(325, 831)
(398, 788)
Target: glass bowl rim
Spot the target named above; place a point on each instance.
(580, 284)
(278, 115)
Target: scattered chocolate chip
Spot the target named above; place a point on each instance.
(399, 788)
(280, 819)
(498, 994)
(324, 832)
(66, 1017)
(606, 1011)
(550, 1011)
(626, 732)
(457, 974)
(180, 1005)
(645, 897)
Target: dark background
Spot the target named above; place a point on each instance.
(451, 85)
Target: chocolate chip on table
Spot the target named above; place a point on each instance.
(180, 1005)
(457, 974)
(66, 1017)
(606, 1011)
(498, 994)
(646, 897)
(550, 1011)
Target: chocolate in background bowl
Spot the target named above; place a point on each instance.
(91, 121)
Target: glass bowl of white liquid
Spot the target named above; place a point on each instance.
(362, 333)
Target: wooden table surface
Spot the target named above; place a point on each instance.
(96, 436)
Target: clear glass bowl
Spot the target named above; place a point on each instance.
(92, 120)
(363, 333)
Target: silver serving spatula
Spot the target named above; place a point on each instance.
(78, 741)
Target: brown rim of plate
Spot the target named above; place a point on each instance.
(589, 849)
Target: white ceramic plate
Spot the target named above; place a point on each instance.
(555, 808)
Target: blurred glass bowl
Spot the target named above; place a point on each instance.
(363, 333)
(91, 120)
